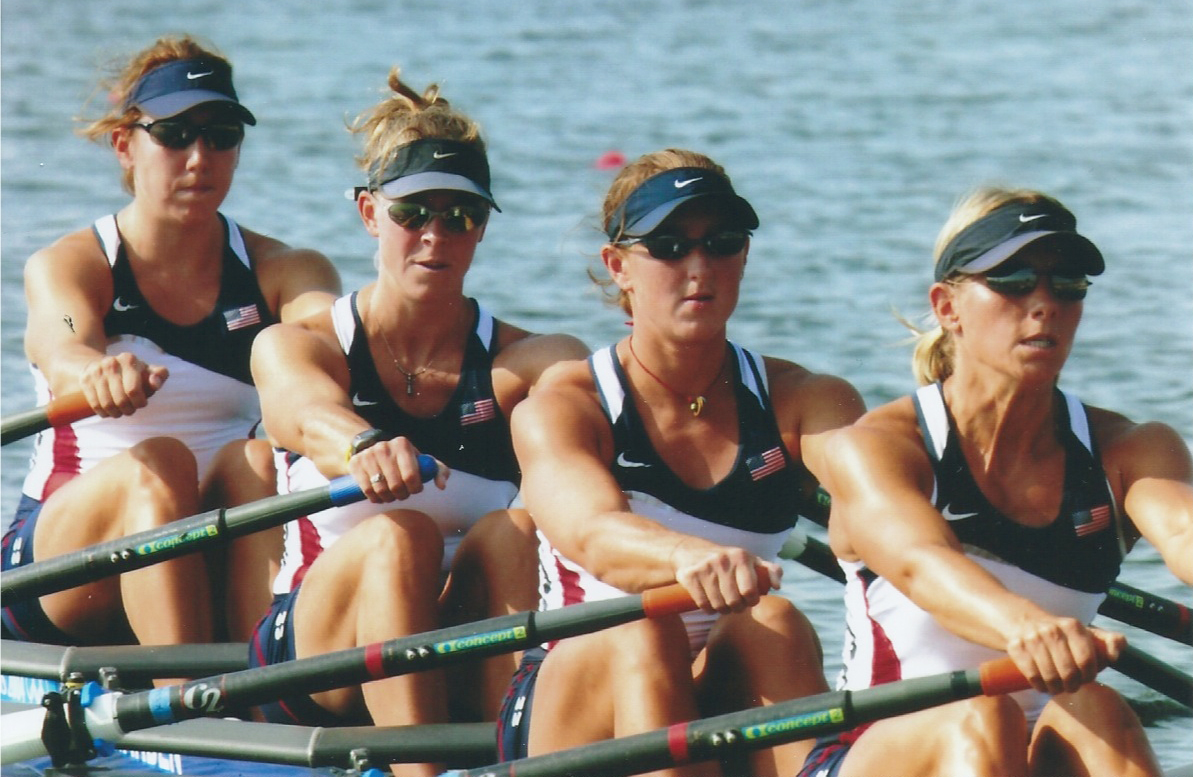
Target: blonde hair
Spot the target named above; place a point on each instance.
(629, 179)
(404, 116)
(123, 76)
(932, 357)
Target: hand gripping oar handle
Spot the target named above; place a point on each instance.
(1123, 603)
(177, 538)
(761, 727)
(58, 412)
(1133, 663)
(109, 716)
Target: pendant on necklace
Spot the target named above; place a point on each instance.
(409, 383)
(696, 405)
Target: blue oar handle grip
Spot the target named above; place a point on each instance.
(344, 491)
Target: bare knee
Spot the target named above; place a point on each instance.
(164, 468)
(989, 736)
(407, 541)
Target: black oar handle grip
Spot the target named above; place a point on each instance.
(343, 490)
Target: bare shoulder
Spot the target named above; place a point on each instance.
(1146, 448)
(286, 274)
(528, 356)
(813, 401)
(73, 261)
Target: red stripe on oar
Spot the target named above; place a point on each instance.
(374, 665)
(677, 742)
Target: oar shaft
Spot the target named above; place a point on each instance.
(759, 727)
(177, 538)
(58, 412)
(405, 655)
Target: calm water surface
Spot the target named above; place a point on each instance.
(851, 125)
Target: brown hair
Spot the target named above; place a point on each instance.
(932, 359)
(629, 179)
(404, 116)
(124, 74)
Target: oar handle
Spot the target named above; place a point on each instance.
(57, 412)
(1000, 676)
(667, 600)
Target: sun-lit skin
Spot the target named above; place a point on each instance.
(1024, 339)
(187, 184)
(691, 297)
(427, 263)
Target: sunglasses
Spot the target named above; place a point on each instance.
(181, 134)
(1020, 283)
(670, 247)
(458, 218)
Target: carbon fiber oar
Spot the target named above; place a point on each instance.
(58, 412)
(177, 538)
(89, 714)
(760, 727)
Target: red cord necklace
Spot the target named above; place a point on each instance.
(695, 402)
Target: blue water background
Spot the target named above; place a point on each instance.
(851, 125)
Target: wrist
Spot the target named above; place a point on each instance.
(366, 439)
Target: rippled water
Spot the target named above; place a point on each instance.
(851, 125)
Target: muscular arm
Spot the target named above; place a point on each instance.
(564, 445)
(1155, 477)
(296, 282)
(882, 514)
(68, 290)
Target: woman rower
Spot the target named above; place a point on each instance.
(990, 511)
(673, 455)
(407, 364)
(151, 313)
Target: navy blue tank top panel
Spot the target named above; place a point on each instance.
(470, 434)
(763, 491)
(222, 341)
(1081, 548)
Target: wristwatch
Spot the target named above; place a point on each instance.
(366, 439)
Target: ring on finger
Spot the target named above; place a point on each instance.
(375, 479)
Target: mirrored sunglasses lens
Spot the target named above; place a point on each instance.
(409, 215)
(1069, 288)
(1015, 284)
(462, 218)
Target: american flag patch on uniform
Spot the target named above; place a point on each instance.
(476, 412)
(239, 318)
(1090, 521)
(766, 463)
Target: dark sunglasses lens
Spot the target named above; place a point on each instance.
(221, 137)
(409, 215)
(725, 243)
(173, 134)
(666, 247)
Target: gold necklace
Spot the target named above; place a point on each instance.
(696, 401)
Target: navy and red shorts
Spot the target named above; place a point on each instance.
(26, 620)
(513, 721)
(273, 643)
